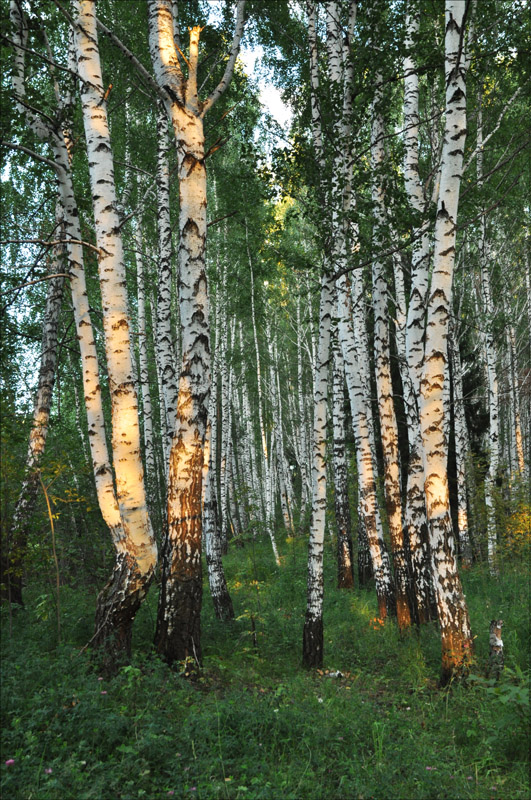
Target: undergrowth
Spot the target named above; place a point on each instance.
(372, 724)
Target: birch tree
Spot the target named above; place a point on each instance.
(382, 365)
(178, 621)
(136, 556)
(454, 622)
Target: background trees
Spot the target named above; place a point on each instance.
(341, 225)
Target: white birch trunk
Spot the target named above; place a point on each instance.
(452, 610)
(135, 564)
(216, 574)
(345, 575)
(382, 366)
(143, 358)
(25, 505)
(462, 449)
(178, 632)
(313, 625)
(413, 347)
(61, 143)
(164, 341)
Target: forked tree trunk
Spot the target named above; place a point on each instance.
(178, 631)
(60, 140)
(136, 555)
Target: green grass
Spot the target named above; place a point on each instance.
(256, 725)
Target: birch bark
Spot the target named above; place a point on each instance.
(382, 366)
(137, 557)
(177, 636)
(345, 574)
(60, 140)
(413, 346)
(164, 342)
(147, 412)
(454, 622)
(462, 449)
(312, 642)
(25, 505)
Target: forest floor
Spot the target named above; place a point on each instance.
(255, 724)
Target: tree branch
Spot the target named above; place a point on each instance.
(229, 69)
(32, 153)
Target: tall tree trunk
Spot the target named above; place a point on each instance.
(462, 449)
(12, 580)
(454, 622)
(60, 140)
(216, 574)
(164, 341)
(137, 556)
(382, 365)
(345, 574)
(312, 647)
(413, 346)
(178, 632)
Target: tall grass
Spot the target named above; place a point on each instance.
(371, 724)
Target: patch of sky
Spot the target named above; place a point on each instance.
(277, 115)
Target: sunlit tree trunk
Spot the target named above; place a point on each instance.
(382, 365)
(413, 347)
(60, 140)
(452, 609)
(137, 557)
(415, 522)
(178, 631)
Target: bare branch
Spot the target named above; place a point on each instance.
(32, 153)
(52, 243)
(39, 280)
(504, 110)
(229, 69)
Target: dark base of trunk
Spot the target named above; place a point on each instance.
(402, 582)
(386, 605)
(457, 652)
(312, 643)
(345, 575)
(223, 606)
(364, 572)
(178, 632)
(364, 556)
(403, 615)
(117, 605)
(11, 590)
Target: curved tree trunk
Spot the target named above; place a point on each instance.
(12, 577)
(136, 555)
